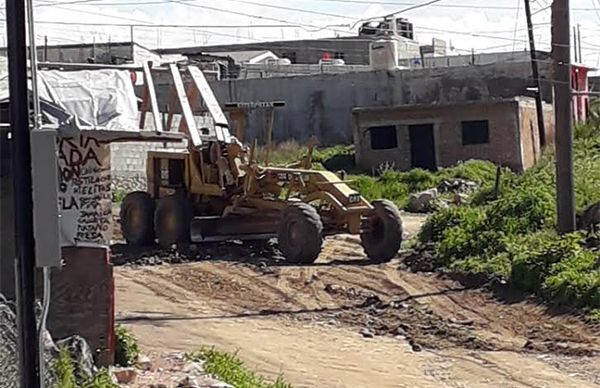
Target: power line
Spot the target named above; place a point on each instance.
(516, 25)
(166, 25)
(368, 2)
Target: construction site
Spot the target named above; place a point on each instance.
(356, 210)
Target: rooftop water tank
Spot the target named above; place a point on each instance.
(383, 54)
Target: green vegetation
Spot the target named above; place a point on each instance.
(127, 349)
(64, 372)
(230, 369)
(118, 195)
(397, 186)
(513, 236)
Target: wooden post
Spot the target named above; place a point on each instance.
(539, 104)
(563, 107)
(270, 123)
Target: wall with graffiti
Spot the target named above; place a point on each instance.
(84, 192)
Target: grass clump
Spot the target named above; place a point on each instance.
(65, 375)
(229, 368)
(127, 349)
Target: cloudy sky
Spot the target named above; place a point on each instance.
(466, 24)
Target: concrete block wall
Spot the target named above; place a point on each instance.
(128, 163)
(322, 104)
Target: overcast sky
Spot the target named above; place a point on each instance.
(465, 24)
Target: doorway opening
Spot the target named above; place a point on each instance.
(422, 146)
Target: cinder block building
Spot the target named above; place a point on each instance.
(429, 136)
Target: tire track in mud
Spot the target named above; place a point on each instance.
(453, 324)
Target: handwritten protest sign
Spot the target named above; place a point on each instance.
(85, 193)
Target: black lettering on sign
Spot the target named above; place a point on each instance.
(85, 187)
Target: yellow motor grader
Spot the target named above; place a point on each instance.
(215, 191)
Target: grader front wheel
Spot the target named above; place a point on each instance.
(300, 233)
(381, 234)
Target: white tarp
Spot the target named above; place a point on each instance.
(103, 99)
(90, 100)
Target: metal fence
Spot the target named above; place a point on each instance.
(9, 358)
(9, 365)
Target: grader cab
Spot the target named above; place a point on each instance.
(215, 191)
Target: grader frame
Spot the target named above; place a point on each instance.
(216, 190)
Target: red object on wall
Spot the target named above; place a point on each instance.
(327, 56)
(133, 75)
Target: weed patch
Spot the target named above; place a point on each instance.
(64, 373)
(127, 349)
(230, 369)
(513, 236)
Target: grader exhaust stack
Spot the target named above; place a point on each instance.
(215, 190)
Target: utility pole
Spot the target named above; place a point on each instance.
(132, 48)
(579, 43)
(539, 104)
(563, 107)
(23, 202)
(575, 44)
(45, 48)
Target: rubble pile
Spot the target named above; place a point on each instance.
(256, 252)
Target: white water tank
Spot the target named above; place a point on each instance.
(383, 54)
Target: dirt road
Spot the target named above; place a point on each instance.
(344, 322)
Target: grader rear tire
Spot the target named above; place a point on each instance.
(382, 231)
(137, 215)
(300, 233)
(172, 220)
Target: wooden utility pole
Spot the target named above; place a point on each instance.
(579, 43)
(575, 44)
(539, 105)
(563, 107)
(132, 44)
(27, 344)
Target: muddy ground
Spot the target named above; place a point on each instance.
(346, 322)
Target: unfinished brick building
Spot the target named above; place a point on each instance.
(439, 135)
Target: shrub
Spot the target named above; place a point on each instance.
(498, 265)
(336, 158)
(64, 370)
(102, 379)
(127, 349)
(230, 369)
(436, 224)
(64, 374)
(534, 255)
(415, 180)
(479, 171)
(526, 209)
(575, 281)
